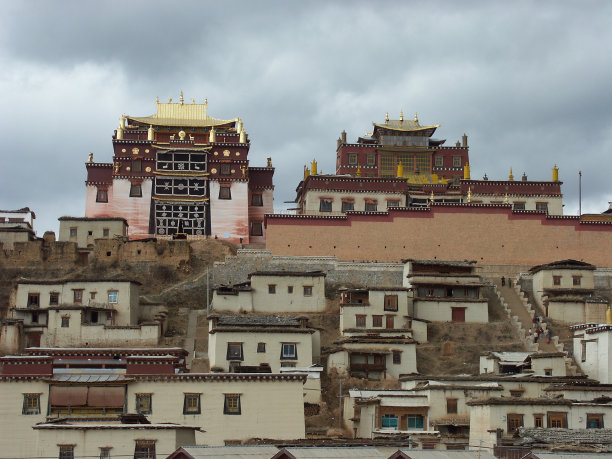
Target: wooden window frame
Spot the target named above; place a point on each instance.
(261, 348)
(514, 421)
(135, 190)
(65, 322)
(396, 357)
(102, 195)
(391, 303)
(33, 304)
(451, 406)
(225, 192)
(371, 159)
(232, 404)
(553, 417)
(360, 320)
(556, 280)
(31, 404)
(54, 298)
(144, 449)
(307, 290)
(257, 199)
(271, 289)
(144, 403)
(325, 205)
(538, 420)
(576, 281)
(192, 403)
(66, 451)
(377, 321)
(257, 228)
(231, 355)
(599, 417)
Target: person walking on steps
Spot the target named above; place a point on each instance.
(503, 281)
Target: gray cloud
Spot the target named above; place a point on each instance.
(529, 84)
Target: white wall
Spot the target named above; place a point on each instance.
(441, 311)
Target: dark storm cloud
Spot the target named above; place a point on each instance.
(527, 81)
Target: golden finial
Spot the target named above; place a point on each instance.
(469, 196)
(90, 157)
(506, 198)
(206, 101)
(431, 196)
(193, 101)
(400, 170)
(269, 161)
(157, 100)
(511, 176)
(387, 117)
(117, 166)
(313, 167)
(416, 117)
(555, 174)
(401, 115)
(466, 171)
(169, 100)
(306, 172)
(358, 170)
(181, 99)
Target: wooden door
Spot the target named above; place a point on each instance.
(389, 322)
(458, 314)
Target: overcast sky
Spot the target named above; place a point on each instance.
(530, 83)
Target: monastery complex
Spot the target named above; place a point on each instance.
(399, 309)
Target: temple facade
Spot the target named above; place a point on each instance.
(182, 171)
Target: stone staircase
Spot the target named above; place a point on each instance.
(517, 307)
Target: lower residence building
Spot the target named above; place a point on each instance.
(565, 291)
(85, 392)
(273, 292)
(593, 350)
(532, 363)
(448, 291)
(85, 230)
(83, 312)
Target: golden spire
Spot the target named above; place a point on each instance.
(313, 167)
(181, 99)
(416, 117)
(400, 170)
(306, 172)
(555, 175)
(387, 117)
(511, 176)
(90, 157)
(401, 115)
(506, 198)
(431, 196)
(469, 196)
(358, 170)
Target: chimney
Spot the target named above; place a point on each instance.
(524, 177)
(343, 136)
(464, 139)
(339, 142)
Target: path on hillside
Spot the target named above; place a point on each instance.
(192, 325)
(517, 308)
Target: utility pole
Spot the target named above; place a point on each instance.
(579, 193)
(207, 291)
(340, 397)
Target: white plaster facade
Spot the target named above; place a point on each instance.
(84, 231)
(377, 201)
(272, 292)
(593, 350)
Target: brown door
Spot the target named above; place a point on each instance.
(458, 314)
(389, 323)
(34, 340)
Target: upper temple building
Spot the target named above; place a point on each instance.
(405, 144)
(182, 171)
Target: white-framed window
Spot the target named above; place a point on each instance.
(113, 296)
(289, 351)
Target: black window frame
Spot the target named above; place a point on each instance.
(102, 195)
(145, 397)
(257, 199)
(257, 228)
(325, 205)
(135, 190)
(231, 356)
(231, 410)
(225, 191)
(30, 410)
(191, 409)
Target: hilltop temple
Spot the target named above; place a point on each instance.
(182, 171)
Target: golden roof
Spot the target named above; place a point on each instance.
(180, 114)
(404, 125)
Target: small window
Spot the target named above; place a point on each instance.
(456, 161)
(576, 281)
(143, 404)
(137, 165)
(290, 289)
(225, 169)
(257, 199)
(256, 228)
(73, 232)
(92, 295)
(261, 348)
(390, 302)
(543, 206)
(352, 159)
(595, 421)
(307, 290)
(397, 357)
(271, 289)
(65, 321)
(538, 420)
(144, 449)
(225, 192)
(105, 452)
(517, 393)
(33, 300)
(289, 351)
(451, 406)
(393, 203)
(514, 422)
(234, 351)
(53, 298)
(556, 280)
(102, 195)
(232, 404)
(31, 404)
(66, 451)
(547, 371)
(583, 357)
(439, 161)
(191, 404)
(105, 232)
(519, 206)
(90, 233)
(377, 321)
(113, 296)
(371, 206)
(346, 206)
(360, 321)
(136, 190)
(557, 420)
(325, 205)
(371, 160)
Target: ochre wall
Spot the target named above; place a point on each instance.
(488, 234)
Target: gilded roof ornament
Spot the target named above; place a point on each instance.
(431, 196)
(387, 117)
(511, 176)
(90, 157)
(469, 195)
(401, 115)
(506, 198)
(416, 117)
(181, 99)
